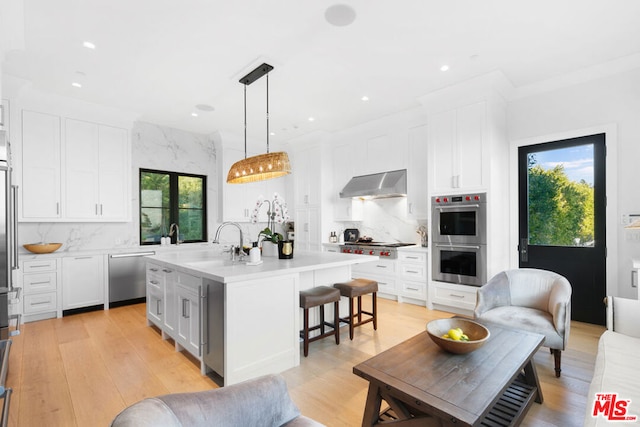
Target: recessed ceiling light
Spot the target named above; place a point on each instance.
(194, 114)
(311, 119)
(340, 15)
(444, 68)
(76, 84)
(204, 107)
(272, 133)
(89, 45)
(365, 98)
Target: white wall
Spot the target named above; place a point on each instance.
(612, 103)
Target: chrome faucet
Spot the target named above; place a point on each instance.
(175, 229)
(216, 239)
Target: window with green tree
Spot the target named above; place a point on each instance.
(172, 197)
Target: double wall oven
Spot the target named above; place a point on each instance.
(459, 236)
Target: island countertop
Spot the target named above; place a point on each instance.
(209, 264)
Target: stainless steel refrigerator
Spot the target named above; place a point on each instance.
(8, 236)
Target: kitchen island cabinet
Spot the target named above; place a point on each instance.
(247, 316)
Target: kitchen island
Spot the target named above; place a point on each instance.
(241, 321)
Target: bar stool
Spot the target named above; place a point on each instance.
(358, 288)
(318, 297)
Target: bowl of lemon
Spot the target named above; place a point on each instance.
(457, 335)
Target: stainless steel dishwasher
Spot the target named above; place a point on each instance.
(127, 281)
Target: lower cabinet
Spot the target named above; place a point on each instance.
(83, 278)
(40, 284)
(454, 297)
(173, 305)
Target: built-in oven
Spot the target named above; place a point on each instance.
(459, 236)
(461, 264)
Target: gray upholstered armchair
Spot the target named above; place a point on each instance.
(529, 299)
(262, 402)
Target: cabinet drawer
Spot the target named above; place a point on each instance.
(37, 266)
(458, 296)
(417, 257)
(34, 283)
(414, 271)
(40, 303)
(381, 266)
(413, 290)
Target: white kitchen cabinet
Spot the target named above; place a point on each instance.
(155, 295)
(386, 153)
(412, 277)
(97, 172)
(162, 298)
(40, 191)
(384, 272)
(40, 284)
(82, 281)
(308, 181)
(308, 235)
(343, 170)
(170, 299)
(454, 297)
(188, 299)
(456, 140)
(417, 176)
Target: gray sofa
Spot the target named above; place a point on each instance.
(261, 402)
(617, 369)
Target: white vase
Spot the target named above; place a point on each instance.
(269, 249)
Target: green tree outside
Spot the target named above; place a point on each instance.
(561, 211)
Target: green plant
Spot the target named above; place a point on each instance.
(271, 236)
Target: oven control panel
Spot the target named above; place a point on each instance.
(460, 199)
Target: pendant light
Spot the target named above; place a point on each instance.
(263, 166)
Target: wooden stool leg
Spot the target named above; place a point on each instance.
(351, 318)
(322, 319)
(374, 303)
(306, 332)
(336, 320)
(360, 309)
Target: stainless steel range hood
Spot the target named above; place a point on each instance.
(377, 185)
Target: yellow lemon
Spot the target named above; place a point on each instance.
(455, 334)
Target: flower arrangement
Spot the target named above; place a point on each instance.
(277, 213)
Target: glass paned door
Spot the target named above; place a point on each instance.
(562, 207)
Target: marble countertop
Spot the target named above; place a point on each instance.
(209, 264)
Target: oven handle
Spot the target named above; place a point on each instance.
(457, 207)
(457, 246)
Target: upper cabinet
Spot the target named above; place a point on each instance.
(79, 171)
(383, 153)
(306, 166)
(96, 183)
(457, 143)
(343, 170)
(41, 167)
(417, 176)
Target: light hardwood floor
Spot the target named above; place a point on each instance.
(82, 370)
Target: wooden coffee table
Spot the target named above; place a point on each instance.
(424, 385)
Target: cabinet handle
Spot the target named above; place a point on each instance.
(412, 289)
(381, 266)
(154, 282)
(153, 269)
(306, 199)
(158, 312)
(46, 282)
(33, 304)
(166, 270)
(410, 208)
(82, 257)
(634, 283)
(412, 257)
(456, 296)
(39, 266)
(184, 308)
(57, 208)
(100, 209)
(413, 271)
(96, 209)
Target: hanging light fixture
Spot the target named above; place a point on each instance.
(263, 166)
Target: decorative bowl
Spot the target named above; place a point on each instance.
(476, 332)
(42, 248)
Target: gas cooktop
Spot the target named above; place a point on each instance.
(387, 245)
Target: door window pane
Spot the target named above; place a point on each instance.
(560, 197)
(154, 206)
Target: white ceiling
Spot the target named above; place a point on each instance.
(160, 58)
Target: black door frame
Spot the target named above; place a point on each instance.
(613, 285)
